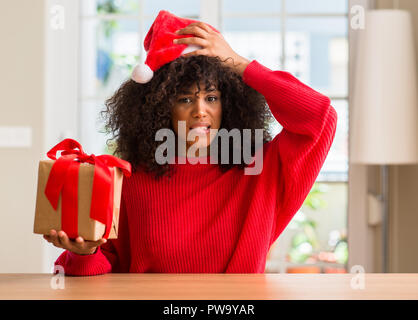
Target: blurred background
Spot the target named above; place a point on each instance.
(61, 59)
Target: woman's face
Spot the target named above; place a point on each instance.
(201, 111)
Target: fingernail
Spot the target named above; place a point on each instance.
(175, 41)
(178, 31)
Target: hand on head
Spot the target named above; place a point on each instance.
(212, 43)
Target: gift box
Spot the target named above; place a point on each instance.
(79, 193)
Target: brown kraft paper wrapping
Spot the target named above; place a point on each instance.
(46, 218)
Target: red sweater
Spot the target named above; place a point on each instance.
(206, 221)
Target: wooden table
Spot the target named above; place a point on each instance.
(210, 286)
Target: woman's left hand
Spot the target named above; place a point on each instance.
(213, 44)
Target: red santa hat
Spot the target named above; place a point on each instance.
(159, 45)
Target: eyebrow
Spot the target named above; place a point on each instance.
(187, 91)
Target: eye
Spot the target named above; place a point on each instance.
(212, 98)
(184, 100)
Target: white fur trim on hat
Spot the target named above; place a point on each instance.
(142, 73)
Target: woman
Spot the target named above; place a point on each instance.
(206, 217)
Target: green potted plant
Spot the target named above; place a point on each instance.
(305, 243)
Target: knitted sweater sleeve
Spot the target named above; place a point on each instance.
(298, 152)
(113, 256)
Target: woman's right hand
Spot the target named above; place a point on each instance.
(78, 246)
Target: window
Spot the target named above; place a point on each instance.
(306, 38)
(309, 39)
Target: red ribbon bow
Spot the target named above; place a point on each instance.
(64, 178)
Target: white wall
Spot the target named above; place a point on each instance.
(39, 91)
(22, 100)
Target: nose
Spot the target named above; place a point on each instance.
(199, 108)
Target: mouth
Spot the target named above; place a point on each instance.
(200, 129)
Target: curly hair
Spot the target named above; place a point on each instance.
(135, 112)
